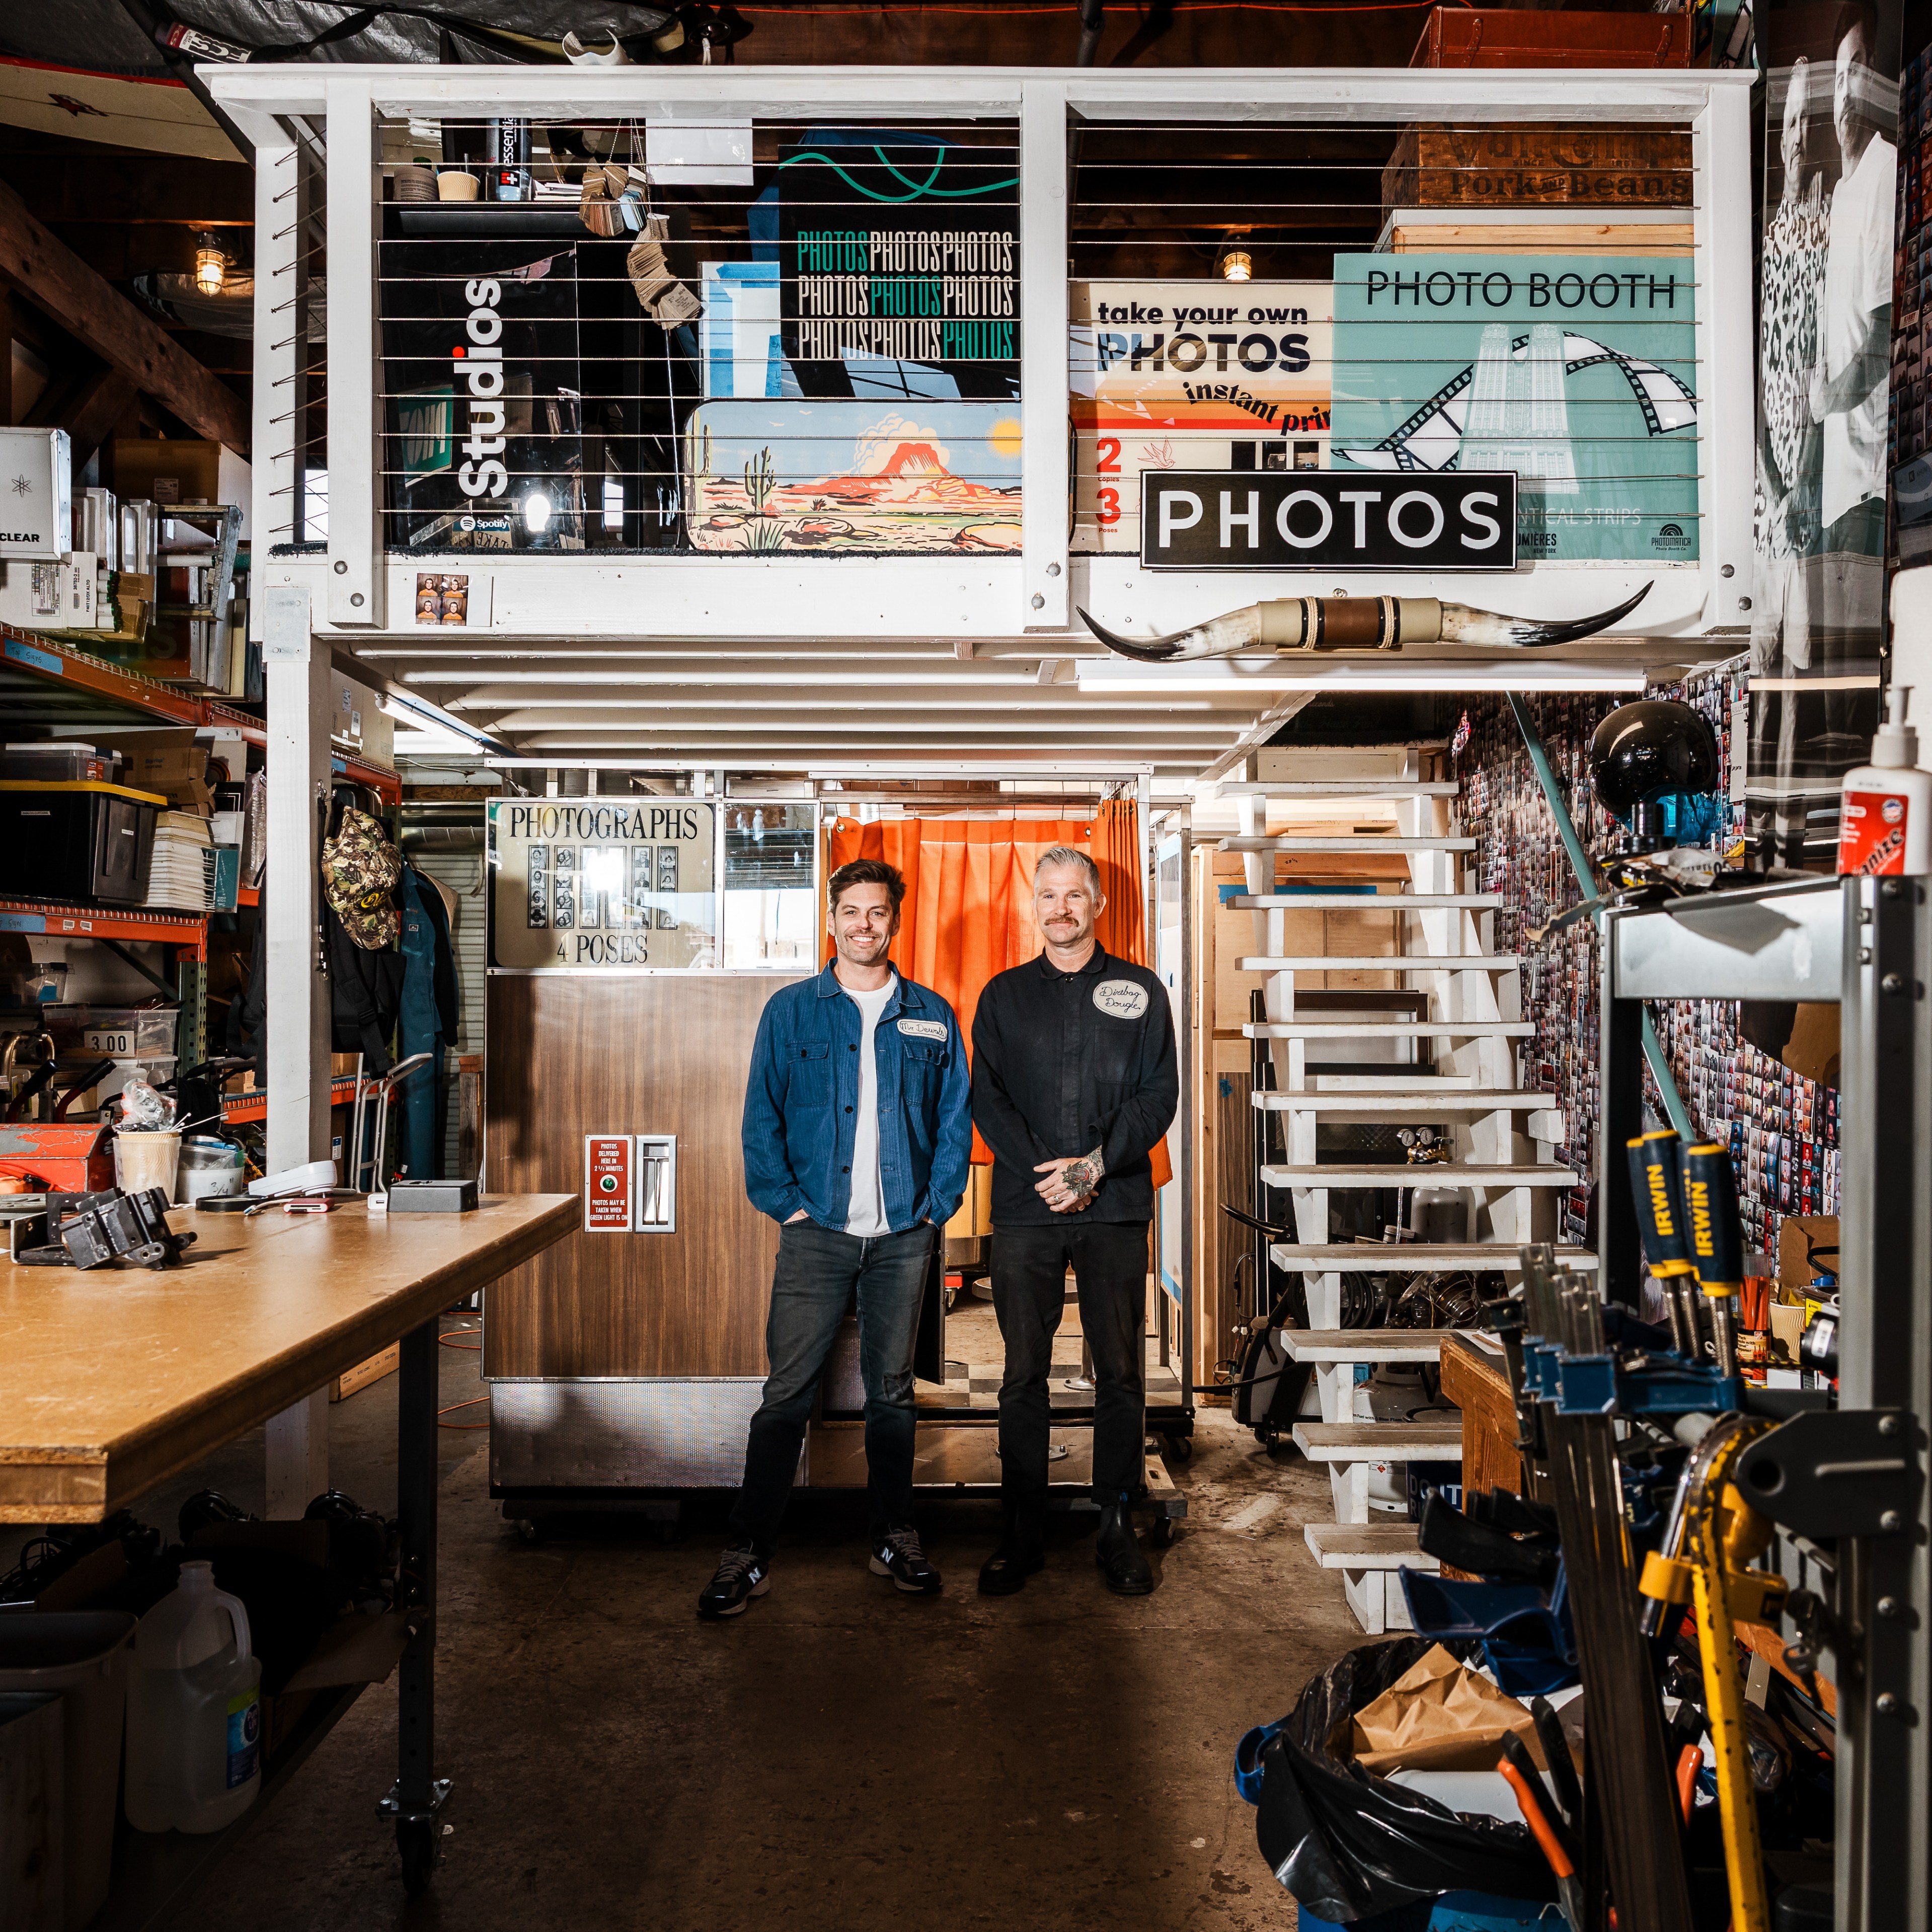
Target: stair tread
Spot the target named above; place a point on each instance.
(1337, 788)
(1401, 1103)
(1467, 1174)
(1366, 1546)
(1383, 1029)
(1367, 962)
(1376, 1257)
(1364, 901)
(1379, 1442)
(1338, 841)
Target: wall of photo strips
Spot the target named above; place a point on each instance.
(1782, 1129)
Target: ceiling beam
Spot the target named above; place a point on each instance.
(88, 411)
(52, 277)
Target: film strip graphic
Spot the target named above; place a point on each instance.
(1431, 438)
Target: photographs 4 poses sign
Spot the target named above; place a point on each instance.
(584, 883)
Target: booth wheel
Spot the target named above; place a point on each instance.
(1161, 1535)
(1181, 1448)
(416, 1840)
(1268, 1435)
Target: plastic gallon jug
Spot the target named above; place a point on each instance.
(194, 1710)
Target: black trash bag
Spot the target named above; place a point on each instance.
(1349, 1845)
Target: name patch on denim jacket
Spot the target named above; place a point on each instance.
(924, 1029)
(1120, 998)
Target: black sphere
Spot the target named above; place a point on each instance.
(1645, 750)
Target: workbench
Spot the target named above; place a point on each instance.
(114, 1380)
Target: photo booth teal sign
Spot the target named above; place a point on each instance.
(1576, 372)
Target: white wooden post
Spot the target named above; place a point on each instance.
(296, 1063)
(1044, 482)
(357, 579)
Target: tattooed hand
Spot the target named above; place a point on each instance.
(1068, 1185)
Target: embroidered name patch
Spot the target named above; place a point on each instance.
(924, 1029)
(1120, 998)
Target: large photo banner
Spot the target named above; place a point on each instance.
(1824, 363)
(1578, 372)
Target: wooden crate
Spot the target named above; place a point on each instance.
(1509, 165)
(1540, 238)
(384, 1362)
(1526, 36)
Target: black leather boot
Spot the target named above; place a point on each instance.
(1020, 1553)
(1126, 1570)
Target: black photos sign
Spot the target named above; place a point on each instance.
(1303, 519)
(899, 257)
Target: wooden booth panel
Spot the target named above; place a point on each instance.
(609, 1054)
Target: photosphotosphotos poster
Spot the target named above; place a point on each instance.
(840, 478)
(580, 883)
(899, 255)
(1576, 372)
(1824, 357)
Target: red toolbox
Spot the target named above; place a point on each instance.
(58, 1157)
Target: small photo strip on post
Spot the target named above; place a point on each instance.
(442, 599)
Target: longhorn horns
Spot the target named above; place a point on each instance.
(1358, 623)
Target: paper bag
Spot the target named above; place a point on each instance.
(1440, 1716)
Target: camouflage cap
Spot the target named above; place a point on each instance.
(359, 866)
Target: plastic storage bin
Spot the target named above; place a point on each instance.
(83, 1655)
(76, 840)
(58, 762)
(194, 1710)
(130, 1033)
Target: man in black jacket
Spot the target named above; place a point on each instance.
(1074, 1081)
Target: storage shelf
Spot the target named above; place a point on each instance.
(239, 1109)
(60, 920)
(1410, 1257)
(1427, 1174)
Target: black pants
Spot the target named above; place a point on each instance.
(819, 1271)
(1110, 1267)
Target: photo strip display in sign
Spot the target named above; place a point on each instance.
(1207, 375)
(585, 883)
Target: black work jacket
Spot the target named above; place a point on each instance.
(1064, 1063)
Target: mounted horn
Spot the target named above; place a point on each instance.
(1357, 624)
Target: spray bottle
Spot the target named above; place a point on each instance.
(1885, 812)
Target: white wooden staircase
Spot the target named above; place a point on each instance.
(1501, 1137)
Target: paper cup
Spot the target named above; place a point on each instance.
(415, 183)
(455, 185)
(142, 1161)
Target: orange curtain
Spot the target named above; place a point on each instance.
(968, 909)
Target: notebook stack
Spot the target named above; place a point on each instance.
(176, 877)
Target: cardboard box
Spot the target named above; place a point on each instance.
(1605, 165)
(167, 470)
(1794, 1271)
(166, 760)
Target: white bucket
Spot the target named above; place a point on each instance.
(142, 1161)
(208, 1167)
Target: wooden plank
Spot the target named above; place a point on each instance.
(1379, 1442)
(93, 311)
(1373, 842)
(689, 1303)
(351, 1382)
(1430, 1174)
(1378, 1257)
(1478, 1383)
(1366, 1546)
(1364, 1344)
(112, 1381)
(1536, 237)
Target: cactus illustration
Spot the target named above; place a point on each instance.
(759, 480)
(704, 464)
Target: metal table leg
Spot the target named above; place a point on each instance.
(416, 1800)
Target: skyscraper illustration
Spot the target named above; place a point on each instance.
(1519, 416)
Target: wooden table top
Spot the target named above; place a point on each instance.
(114, 1379)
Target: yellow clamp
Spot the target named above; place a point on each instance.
(1666, 1579)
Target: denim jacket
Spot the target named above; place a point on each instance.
(798, 1125)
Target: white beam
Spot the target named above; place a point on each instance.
(1045, 484)
(1259, 679)
(357, 580)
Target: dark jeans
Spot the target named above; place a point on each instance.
(818, 1269)
(1110, 1268)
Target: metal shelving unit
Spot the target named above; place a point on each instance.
(1852, 1475)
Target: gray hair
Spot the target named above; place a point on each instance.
(1068, 855)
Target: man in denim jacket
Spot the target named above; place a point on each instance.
(857, 1136)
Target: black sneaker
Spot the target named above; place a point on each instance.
(897, 1554)
(742, 1575)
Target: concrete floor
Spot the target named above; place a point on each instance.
(842, 1755)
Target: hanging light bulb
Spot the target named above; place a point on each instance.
(211, 266)
(1235, 265)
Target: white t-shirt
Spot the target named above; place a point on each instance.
(867, 1214)
(1857, 283)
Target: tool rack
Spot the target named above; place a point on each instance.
(1852, 1474)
